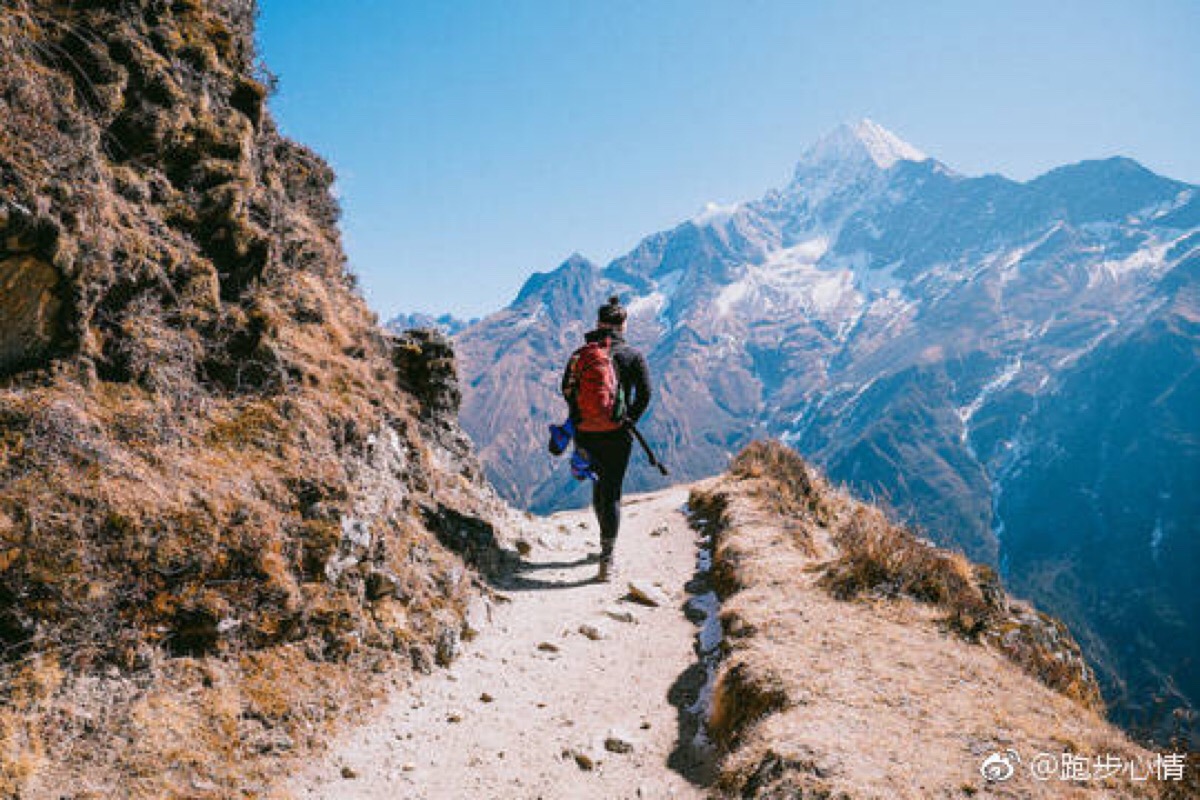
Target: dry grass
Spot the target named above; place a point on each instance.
(786, 484)
(213, 485)
(881, 558)
(195, 728)
(824, 698)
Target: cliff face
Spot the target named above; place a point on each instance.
(207, 448)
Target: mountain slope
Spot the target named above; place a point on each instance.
(906, 326)
(222, 488)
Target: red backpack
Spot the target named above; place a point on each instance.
(593, 389)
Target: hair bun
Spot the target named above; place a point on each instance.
(612, 313)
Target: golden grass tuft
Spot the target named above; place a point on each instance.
(742, 695)
(789, 486)
(881, 558)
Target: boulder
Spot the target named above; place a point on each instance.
(30, 311)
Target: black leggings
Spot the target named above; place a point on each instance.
(609, 454)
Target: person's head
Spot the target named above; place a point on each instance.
(611, 315)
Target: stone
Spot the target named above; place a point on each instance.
(454, 716)
(617, 741)
(448, 646)
(660, 530)
(273, 741)
(593, 632)
(585, 758)
(647, 594)
(620, 614)
(348, 773)
(548, 647)
(422, 659)
(524, 548)
(31, 324)
(486, 698)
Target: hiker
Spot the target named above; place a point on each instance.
(607, 386)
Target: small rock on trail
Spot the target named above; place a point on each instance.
(618, 741)
(593, 632)
(647, 593)
(621, 614)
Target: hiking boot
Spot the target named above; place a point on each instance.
(607, 573)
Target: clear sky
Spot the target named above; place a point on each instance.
(478, 142)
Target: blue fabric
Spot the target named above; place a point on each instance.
(560, 437)
(581, 467)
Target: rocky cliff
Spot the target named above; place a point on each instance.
(223, 491)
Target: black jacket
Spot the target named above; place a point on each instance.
(632, 373)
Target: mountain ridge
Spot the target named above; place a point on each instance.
(902, 326)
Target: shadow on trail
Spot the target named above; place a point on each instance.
(694, 756)
(502, 568)
(532, 566)
(519, 583)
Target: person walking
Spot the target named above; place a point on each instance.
(607, 386)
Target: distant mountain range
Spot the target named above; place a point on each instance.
(446, 323)
(1015, 367)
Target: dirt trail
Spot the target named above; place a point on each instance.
(532, 691)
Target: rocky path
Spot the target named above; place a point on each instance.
(572, 689)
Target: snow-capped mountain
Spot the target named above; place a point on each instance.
(446, 323)
(1012, 365)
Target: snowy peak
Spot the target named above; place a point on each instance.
(858, 143)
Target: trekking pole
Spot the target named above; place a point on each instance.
(654, 462)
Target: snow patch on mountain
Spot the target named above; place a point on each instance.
(790, 280)
(865, 139)
(1147, 258)
(967, 413)
(715, 214)
(651, 305)
(1006, 263)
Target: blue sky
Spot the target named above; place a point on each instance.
(478, 142)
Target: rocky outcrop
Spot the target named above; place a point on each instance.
(426, 367)
(31, 302)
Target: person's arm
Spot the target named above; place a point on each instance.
(566, 380)
(640, 384)
(568, 388)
